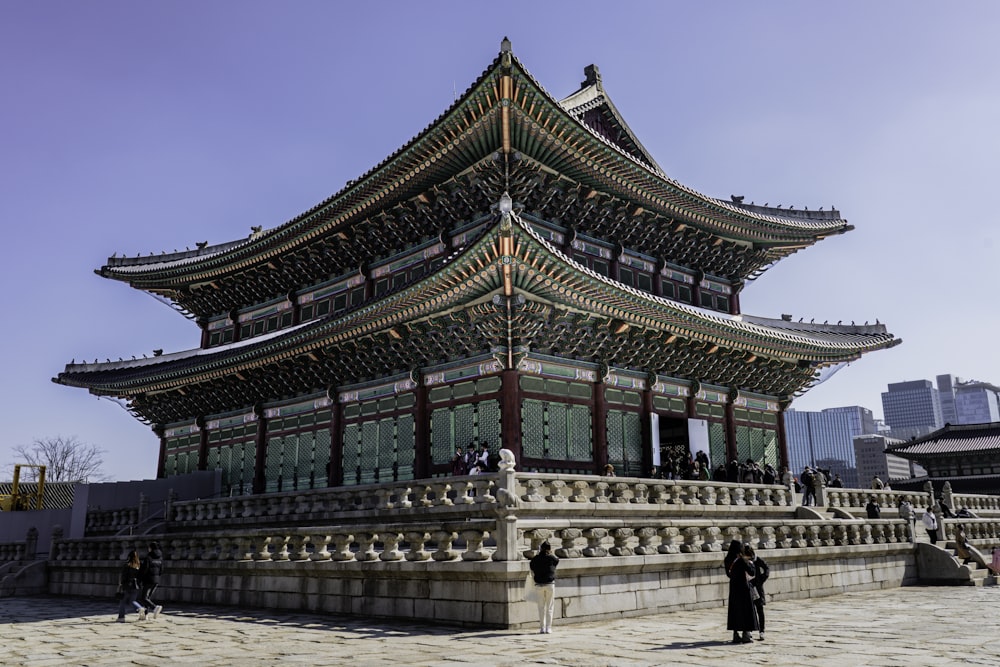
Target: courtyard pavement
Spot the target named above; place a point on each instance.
(907, 627)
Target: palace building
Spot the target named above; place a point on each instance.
(522, 273)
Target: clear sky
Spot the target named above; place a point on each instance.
(138, 127)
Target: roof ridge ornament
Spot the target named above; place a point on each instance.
(593, 74)
(505, 45)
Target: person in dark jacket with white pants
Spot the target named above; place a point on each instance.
(543, 569)
(149, 578)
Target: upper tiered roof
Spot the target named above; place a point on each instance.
(584, 157)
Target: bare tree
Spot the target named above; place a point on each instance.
(65, 460)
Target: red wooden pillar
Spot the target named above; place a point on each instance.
(260, 460)
(510, 412)
(696, 288)
(782, 438)
(161, 433)
(422, 436)
(202, 443)
(599, 421)
(335, 475)
(645, 419)
(732, 454)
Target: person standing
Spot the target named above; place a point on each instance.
(872, 509)
(128, 587)
(741, 616)
(761, 572)
(808, 491)
(149, 578)
(543, 570)
(458, 463)
(931, 524)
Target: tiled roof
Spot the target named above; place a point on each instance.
(959, 439)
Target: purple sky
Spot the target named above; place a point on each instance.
(144, 127)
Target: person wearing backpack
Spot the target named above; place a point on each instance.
(761, 573)
(149, 578)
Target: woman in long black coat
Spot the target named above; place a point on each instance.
(742, 616)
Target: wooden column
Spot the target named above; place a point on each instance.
(259, 479)
(734, 298)
(696, 288)
(422, 436)
(203, 325)
(202, 443)
(161, 433)
(783, 460)
(296, 308)
(335, 474)
(510, 412)
(731, 451)
(645, 417)
(599, 422)
(658, 278)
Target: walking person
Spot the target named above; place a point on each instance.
(761, 572)
(543, 569)
(149, 578)
(741, 616)
(931, 524)
(128, 587)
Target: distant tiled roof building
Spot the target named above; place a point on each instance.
(967, 455)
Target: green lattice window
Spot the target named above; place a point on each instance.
(380, 448)
(556, 431)
(464, 425)
(625, 442)
(717, 442)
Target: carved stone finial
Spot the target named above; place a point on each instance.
(593, 75)
(505, 45)
(507, 461)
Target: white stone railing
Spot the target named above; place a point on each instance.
(976, 503)
(576, 490)
(460, 541)
(592, 539)
(975, 529)
(858, 498)
(465, 494)
(109, 522)
(13, 551)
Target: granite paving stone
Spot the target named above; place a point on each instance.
(904, 627)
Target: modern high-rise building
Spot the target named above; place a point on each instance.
(825, 439)
(912, 408)
(976, 403)
(869, 452)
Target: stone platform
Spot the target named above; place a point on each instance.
(910, 626)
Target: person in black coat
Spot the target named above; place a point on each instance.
(543, 570)
(742, 617)
(149, 578)
(128, 587)
(761, 573)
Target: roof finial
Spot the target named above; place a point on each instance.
(593, 75)
(505, 45)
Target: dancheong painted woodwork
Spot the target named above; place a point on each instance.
(520, 274)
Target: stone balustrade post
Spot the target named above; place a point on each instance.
(474, 545)
(751, 495)
(601, 492)
(621, 538)
(659, 495)
(30, 544)
(444, 539)
(366, 547)
(417, 540)
(507, 501)
(620, 492)
(263, 550)
(555, 495)
(442, 494)
(580, 488)
(342, 546)
(390, 546)
(738, 496)
(692, 494)
(533, 491)
(692, 541)
(299, 547)
(722, 495)
(568, 538)
(645, 546)
(676, 492)
(669, 540)
(595, 536)
(711, 539)
(640, 494)
(320, 552)
(767, 538)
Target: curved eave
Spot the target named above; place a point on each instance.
(464, 134)
(541, 271)
(589, 291)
